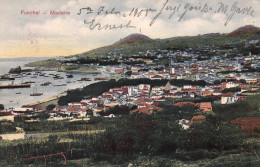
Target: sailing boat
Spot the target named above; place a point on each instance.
(35, 92)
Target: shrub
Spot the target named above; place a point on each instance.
(2, 107)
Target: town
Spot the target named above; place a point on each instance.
(226, 79)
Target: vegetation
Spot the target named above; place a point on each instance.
(42, 116)
(50, 107)
(146, 139)
(45, 63)
(2, 107)
(79, 68)
(117, 110)
(7, 126)
(248, 107)
(236, 89)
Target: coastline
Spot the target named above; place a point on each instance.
(52, 100)
(81, 71)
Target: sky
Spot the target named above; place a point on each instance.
(25, 35)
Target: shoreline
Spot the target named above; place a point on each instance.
(51, 100)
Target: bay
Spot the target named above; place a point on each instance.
(13, 98)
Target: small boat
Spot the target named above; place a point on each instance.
(61, 85)
(58, 77)
(35, 93)
(69, 76)
(29, 82)
(100, 79)
(18, 93)
(6, 77)
(84, 79)
(46, 84)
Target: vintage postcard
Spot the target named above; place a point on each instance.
(130, 83)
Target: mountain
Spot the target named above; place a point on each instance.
(248, 29)
(129, 43)
(133, 38)
(135, 43)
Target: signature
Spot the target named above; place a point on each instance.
(168, 11)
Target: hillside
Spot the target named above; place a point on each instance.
(248, 29)
(135, 43)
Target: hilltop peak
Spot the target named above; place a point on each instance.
(248, 29)
(133, 38)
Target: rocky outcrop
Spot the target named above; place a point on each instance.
(15, 70)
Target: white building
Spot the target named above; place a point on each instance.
(228, 98)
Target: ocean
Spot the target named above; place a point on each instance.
(14, 98)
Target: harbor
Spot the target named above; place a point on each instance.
(36, 87)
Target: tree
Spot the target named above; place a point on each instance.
(50, 107)
(7, 126)
(2, 107)
(235, 89)
(128, 73)
(43, 116)
(214, 134)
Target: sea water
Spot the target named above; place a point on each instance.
(21, 96)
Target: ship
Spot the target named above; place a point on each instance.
(11, 86)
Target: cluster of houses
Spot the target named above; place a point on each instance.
(217, 68)
(144, 97)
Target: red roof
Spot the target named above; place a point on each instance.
(22, 115)
(147, 109)
(229, 94)
(5, 113)
(73, 108)
(181, 104)
(157, 76)
(206, 106)
(60, 107)
(119, 70)
(196, 118)
(94, 101)
(37, 107)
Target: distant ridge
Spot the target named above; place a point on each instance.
(133, 38)
(135, 43)
(248, 29)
